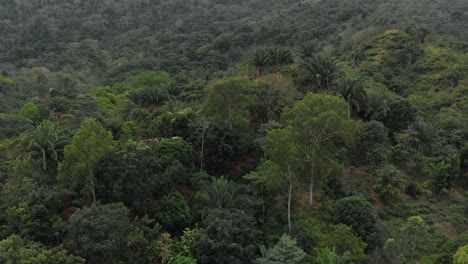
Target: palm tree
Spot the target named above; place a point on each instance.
(322, 68)
(261, 59)
(280, 57)
(308, 49)
(356, 57)
(410, 51)
(56, 106)
(454, 75)
(388, 183)
(222, 193)
(351, 90)
(376, 105)
(46, 142)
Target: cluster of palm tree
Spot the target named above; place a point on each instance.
(274, 57)
(322, 68)
(155, 95)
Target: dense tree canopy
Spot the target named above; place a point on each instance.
(222, 131)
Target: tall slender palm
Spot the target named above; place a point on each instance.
(261, 59)
(46, 142)
(376, 106)
(322, 68)
(410, 51)
(351, 90)
(280, 57)
(454, 76)
(355, 57)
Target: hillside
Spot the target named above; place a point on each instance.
(218, 131)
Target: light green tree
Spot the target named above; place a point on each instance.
(91, 143)
(319, 120)
(461, 257)
(327, 256)
(282, 163)
(285, 251)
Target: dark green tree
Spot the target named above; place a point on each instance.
(229, 237)
(89, 145)
(359, 214)
(174, 212)
(228, 100)
(99, 233)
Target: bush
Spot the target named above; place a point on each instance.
(413, 190)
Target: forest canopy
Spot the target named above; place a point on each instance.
(221, 131)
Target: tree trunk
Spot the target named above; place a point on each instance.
(311, 186)
(349, 109)
(202, 146)
(289, 206)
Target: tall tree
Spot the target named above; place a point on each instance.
(351, 90)
(89, 145)
(319, 120)
(376, 106)
(260, 60)
(282, 164)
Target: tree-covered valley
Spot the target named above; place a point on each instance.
(221, 131)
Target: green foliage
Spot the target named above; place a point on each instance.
(184, 260)
(229, 237)
(47, 143)
(30, 111)
(173, 150)
(98, 233)
(352, 91)
(406, 244)
(359, 214)
(322, 69)
(184, 246)
(343, 241)
(89, 145)
(388, 183)
(15, 250)
(228, 100)
(120, 174)
(221, 193)
(174, 212)
(325, 256)
(461, 257)
(284, 252)
(372, 143)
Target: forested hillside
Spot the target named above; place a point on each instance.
(222, 131)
